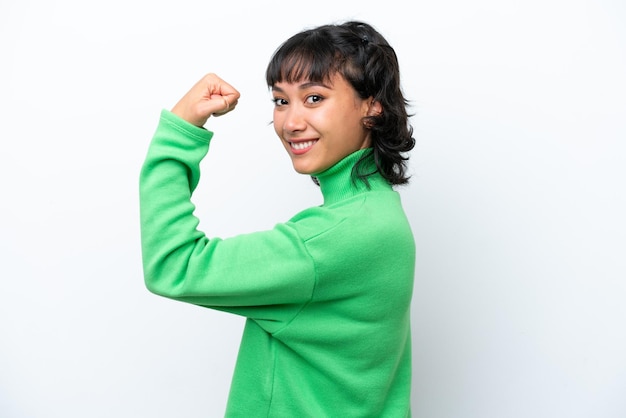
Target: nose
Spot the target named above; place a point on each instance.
(294, 120)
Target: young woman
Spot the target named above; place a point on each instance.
(327, 293)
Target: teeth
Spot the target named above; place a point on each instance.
(301, 145)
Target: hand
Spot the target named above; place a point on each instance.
(209, 96)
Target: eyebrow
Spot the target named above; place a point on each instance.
(304, 86)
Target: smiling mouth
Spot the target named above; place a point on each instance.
(300, 146)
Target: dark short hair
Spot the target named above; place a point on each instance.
(369, 64)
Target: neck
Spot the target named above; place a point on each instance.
(339, 182)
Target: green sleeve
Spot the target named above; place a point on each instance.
(265, 275)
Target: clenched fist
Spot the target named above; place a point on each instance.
(209, 96)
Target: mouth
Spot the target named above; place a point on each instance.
(300, 147)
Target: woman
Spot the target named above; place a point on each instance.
(326, 294)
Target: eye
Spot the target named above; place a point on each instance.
(314, 98)
(278, 101)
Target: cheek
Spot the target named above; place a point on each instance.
(324, 120)
(276, 123)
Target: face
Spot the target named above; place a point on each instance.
(320, 123)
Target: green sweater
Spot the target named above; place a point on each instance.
(326, 294)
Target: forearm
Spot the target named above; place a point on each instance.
(168, 177)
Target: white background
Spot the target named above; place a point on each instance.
(517, 200)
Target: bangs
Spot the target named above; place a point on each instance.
(304, 58)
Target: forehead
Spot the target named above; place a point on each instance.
(303, 61)
(334, 81)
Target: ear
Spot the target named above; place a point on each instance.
(374, 108)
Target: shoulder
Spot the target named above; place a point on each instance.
(361, 217)
(319, 220)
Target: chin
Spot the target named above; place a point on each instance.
(309, 166)
(302, 170)
(300, 165)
